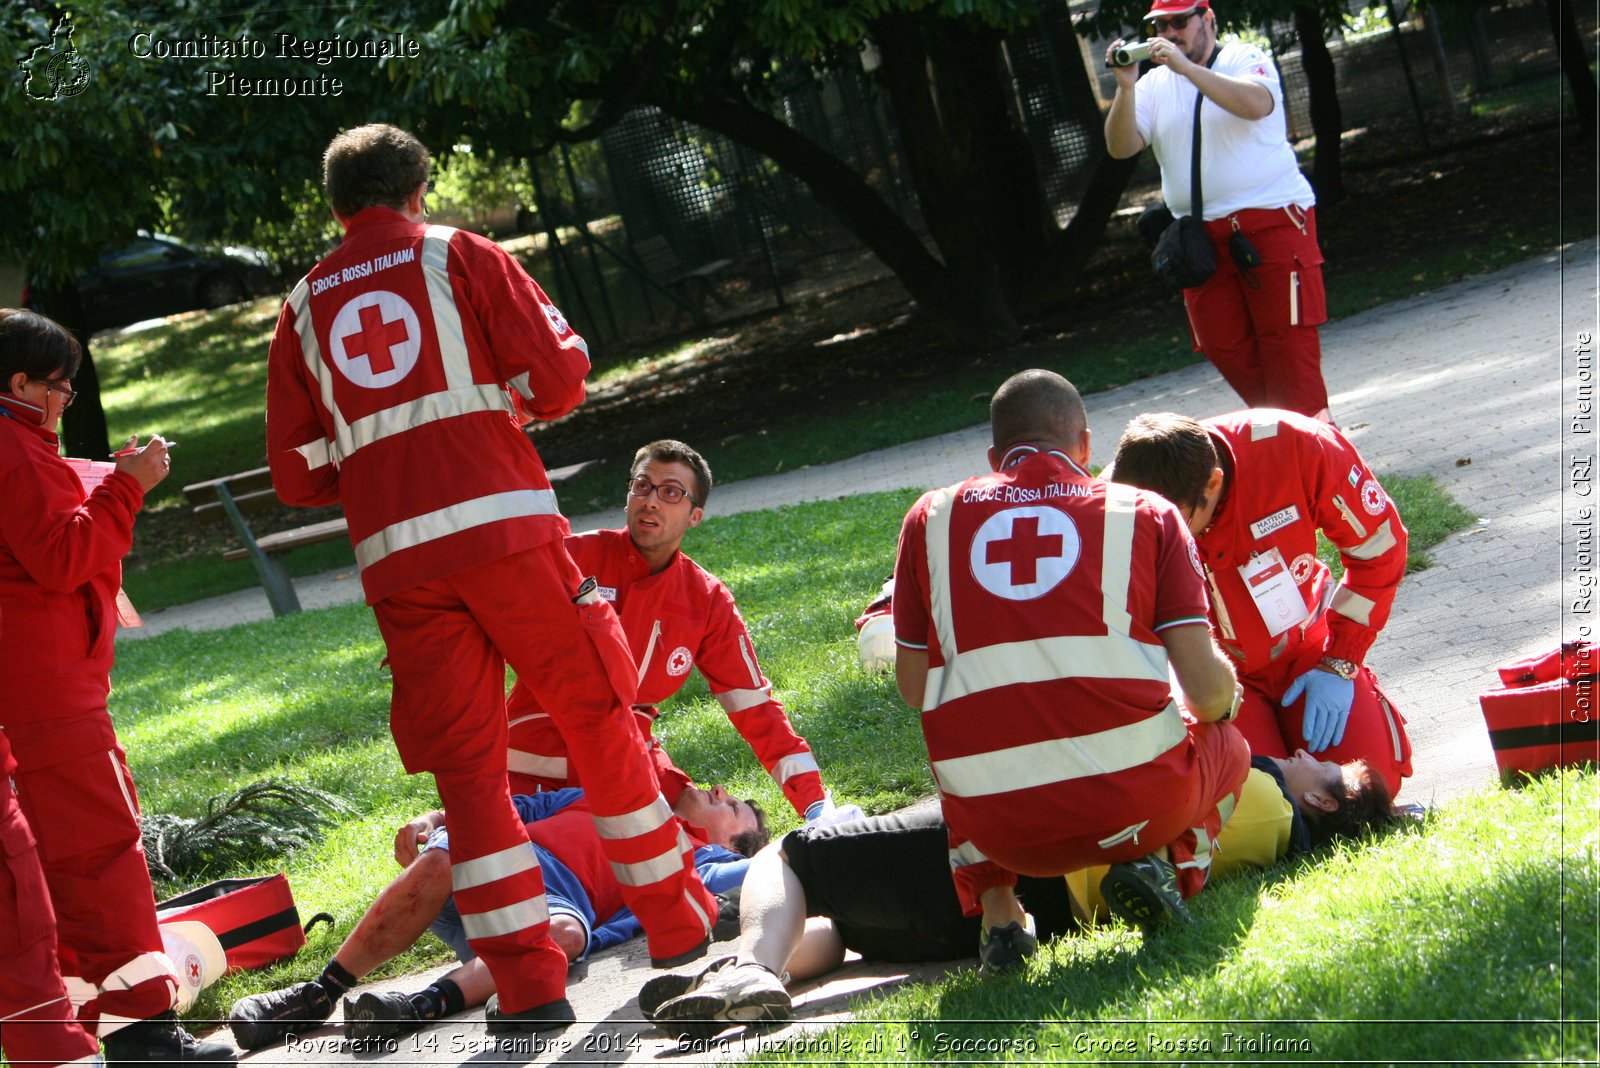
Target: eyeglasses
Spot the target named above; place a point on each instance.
(1177, 22)
(669, 493)
(60, 385)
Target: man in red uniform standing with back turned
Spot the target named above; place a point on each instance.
(394, 382)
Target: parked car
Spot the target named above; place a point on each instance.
(157, 275)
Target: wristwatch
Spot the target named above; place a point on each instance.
(1345, 669)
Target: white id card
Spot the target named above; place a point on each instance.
(1276, 596)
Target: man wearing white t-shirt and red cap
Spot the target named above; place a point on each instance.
(1257, 326)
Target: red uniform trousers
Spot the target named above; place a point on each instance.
(1186, 825)
(1263, 340)
(78, 796)
(1375, 731)
(449, 641)
(35, 1017)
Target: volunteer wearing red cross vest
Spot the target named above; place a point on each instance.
(1257, 327)
(390, 390)
(677, 616)
(1256, 487)
(1036, 611)
(61, 551)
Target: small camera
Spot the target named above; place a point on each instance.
(1129, 54)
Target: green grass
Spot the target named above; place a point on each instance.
(303, 698)
(1468, 939)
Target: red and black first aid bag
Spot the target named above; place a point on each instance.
(1546, 715)
(254, 919)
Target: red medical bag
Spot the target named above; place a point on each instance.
(1546, 715)
(255, 919)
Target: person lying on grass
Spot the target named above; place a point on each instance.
(585, 901)
(881, 887)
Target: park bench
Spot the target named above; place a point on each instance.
(233, 497)
(692, 285)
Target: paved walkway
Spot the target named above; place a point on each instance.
(1463, 383)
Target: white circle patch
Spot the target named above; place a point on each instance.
(1372, 498)
(1300, 568)
(375, 339)
(1023, 553)
(557, 320)
(680, 661)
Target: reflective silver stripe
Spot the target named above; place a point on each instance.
(1116, 568)
(1129, 833)
(633, 824)
(1352, 605)
(316, 454)
(311, 352)
(1262, 429)
(419, 530)
(512, 860)
(464, 400)
(1394, 728)
(521, 384)
(80, 991)
(652, 871)
(749, 656)
(1060, 759)
(1225, 808)
(649, 650)
(1349, 516)
(940, 505)
(738, 700)
(133, 807)
(529, 718)
(544, 767)
(965, 855)
(141, 969)
(1375, 546)
(503, 921)
(1202, 850)
(442, 301)
(792, 765)
(1101, 656)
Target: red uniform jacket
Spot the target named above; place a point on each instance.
(61, 556)
(680, 618)
(1290, 476)
(1038, 592)
(389, 391)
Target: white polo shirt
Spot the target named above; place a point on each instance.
(1245, 163)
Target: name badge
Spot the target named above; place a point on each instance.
(1272, 589)
(607, 593)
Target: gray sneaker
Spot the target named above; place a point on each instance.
(740, 994)
(1144, 893)
(1004, 949)
(663, 988)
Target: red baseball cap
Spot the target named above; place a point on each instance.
(1169, 8)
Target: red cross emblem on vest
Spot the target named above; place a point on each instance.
(375, 339)
(1023, 553)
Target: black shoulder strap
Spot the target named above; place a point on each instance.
(1196, 203)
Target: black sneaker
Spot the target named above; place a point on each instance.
(546, 1017)
(1144, 893)
(162, 1040)
(663, 988)
(743, 994)
(369, 1016)
(266, 1019)
(1004, 949)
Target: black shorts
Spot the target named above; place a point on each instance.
(885, 883)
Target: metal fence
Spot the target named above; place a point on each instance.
(669, 223)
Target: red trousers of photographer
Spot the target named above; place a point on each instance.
(1259, 328)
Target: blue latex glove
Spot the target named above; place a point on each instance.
(1328, 700)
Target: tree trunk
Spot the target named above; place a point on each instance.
(1327, 119)
(857, 205)
(1574, 64)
